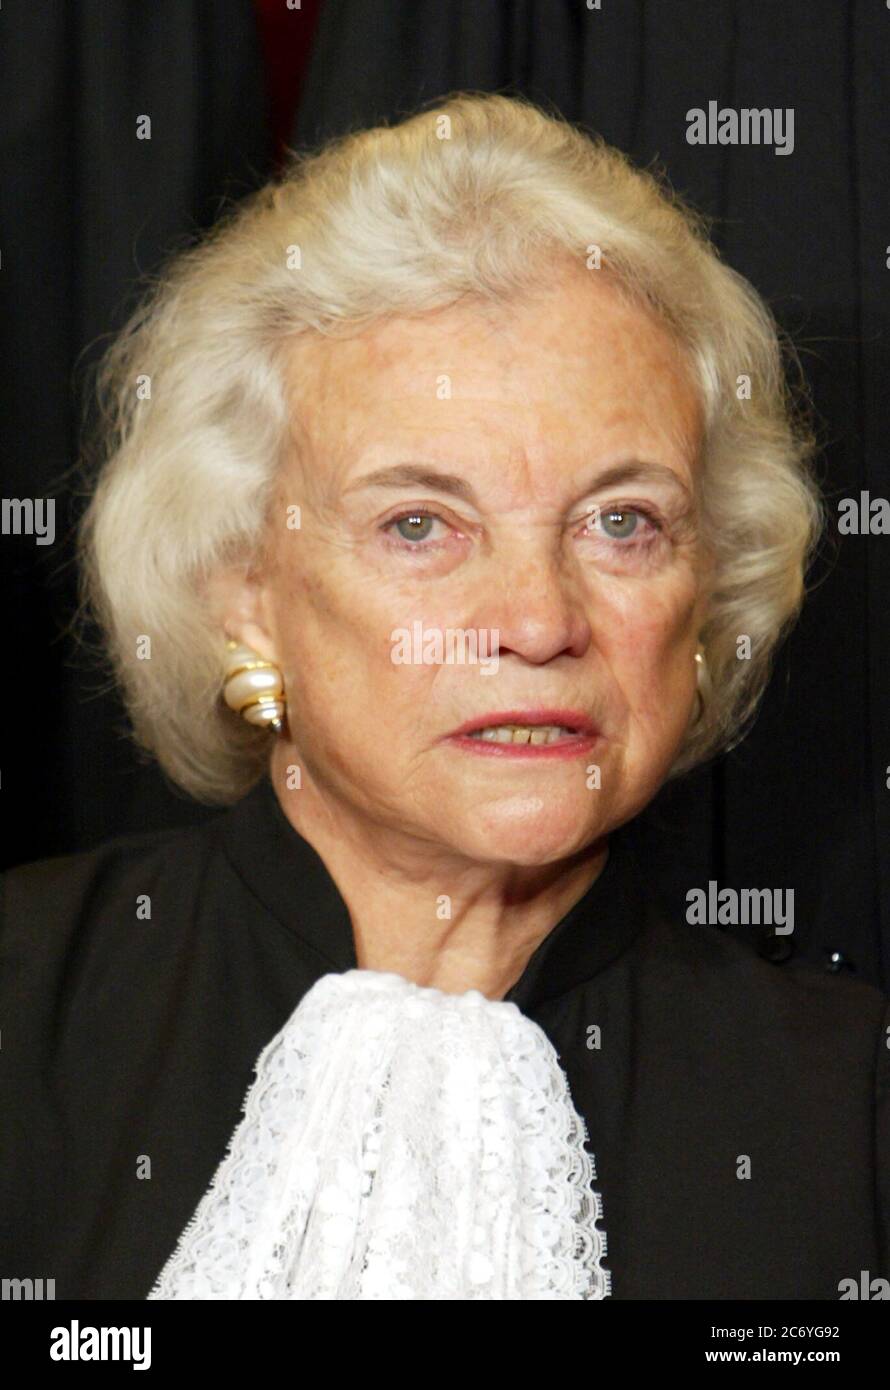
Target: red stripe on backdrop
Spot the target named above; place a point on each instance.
(286, 36)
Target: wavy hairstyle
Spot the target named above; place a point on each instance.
(472, 196)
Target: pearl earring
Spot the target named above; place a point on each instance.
(254, 687)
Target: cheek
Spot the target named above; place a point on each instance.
(650, 652)
(337, 646)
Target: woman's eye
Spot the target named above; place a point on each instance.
(623, 524)
(412, 527)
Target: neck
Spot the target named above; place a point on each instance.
(423, 910)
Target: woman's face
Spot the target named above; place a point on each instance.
(532, 424)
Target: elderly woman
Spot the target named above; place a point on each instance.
(452, 501)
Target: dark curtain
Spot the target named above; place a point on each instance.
(804, 802)
(86, 208)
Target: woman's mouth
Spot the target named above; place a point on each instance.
(541, 736)
(517, 733)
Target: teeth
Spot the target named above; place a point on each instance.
(522, 733)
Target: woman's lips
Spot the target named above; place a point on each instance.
(569, 747)
(578, 736)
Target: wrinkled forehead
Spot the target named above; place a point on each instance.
(571, 369)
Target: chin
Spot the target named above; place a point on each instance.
(529, 831)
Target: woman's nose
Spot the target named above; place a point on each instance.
(536, 606)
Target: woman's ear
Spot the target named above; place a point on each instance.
(236, 599)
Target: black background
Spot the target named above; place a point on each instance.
(86, 208)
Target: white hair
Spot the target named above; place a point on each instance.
(473, 196)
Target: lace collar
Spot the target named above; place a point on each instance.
(399, 1143)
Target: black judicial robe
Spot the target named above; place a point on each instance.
(738, 1110)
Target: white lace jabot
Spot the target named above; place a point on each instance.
(399, 1143)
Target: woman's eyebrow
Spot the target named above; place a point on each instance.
(637, 471)
(419, 475)
(423, 475)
